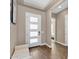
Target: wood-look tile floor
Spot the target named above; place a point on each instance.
(43, 52)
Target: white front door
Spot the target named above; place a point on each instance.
(33, 29)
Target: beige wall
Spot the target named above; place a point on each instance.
(21, 37)
(61, 26)
(13, 33)
(12, 38)
(48, 18)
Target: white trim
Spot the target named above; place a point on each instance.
(49, 45)
(42, 44)
(66, 29)
(61, 43)
(46, 45)
(56, 4)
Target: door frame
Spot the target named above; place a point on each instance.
(55, 37)
(27, 39)
(54, 28)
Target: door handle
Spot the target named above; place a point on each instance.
(38, 32)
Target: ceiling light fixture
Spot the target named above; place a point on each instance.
(59, 6)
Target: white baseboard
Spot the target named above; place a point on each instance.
(61, 43)
(46, 45)
(51, 46)
(42, 44)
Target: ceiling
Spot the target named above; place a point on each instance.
(45, 4)
(60, 7)
(38, 4)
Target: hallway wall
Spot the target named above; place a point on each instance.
(12, 38)
(48, 18)
(61, 26)
(13, 33)
(21, 35)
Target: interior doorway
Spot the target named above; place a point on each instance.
(33, 29)
(53, 29)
